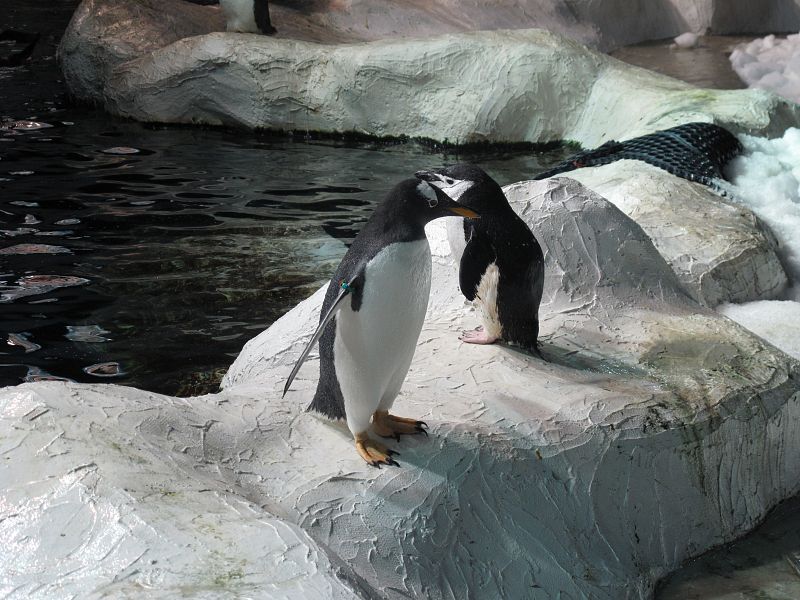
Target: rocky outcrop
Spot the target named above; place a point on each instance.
(605, 24)
(654, 430)
(98, 501)
(720, 251)
(105, 34)
(498, 86)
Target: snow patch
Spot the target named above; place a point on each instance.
(687, 40)
(766, 178)
(777, 321)
(771, 64)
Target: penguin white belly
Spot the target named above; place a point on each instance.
(486, 299)
(373, 346)
(239, 15)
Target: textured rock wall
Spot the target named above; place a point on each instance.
(655, 430)
(498, 86)
(720, 251)
(593, 474)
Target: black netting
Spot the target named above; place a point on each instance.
(694, 151)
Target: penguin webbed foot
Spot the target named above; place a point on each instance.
(392, 426)
(374, 453)
(477, 336)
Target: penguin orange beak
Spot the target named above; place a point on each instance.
(463, 211)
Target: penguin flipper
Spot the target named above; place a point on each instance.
(344, 291)
(477, 257)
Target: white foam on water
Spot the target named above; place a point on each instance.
(770, 63)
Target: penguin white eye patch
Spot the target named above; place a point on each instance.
(424, 189)
(454, 188)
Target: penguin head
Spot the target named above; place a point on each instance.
(465, 183)
(425, 204)
(408, 207)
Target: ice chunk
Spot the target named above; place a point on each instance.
(687, 40)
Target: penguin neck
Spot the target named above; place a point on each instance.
(487, 200)
(396, 223)
(400, 230)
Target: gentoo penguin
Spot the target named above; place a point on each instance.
(247, 16)
(502, 265)
(372, 317)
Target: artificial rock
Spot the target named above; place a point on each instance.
(654, 430)
(526, 85)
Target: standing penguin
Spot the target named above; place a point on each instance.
(502, 265)
(372, 317)
(247, 16)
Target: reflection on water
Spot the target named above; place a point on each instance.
(705, 66)
(149, 255)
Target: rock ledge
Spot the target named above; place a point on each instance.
(655, 430)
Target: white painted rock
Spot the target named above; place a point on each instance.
(501, 86)
(656, 430)
(720, 251)
(112, 492)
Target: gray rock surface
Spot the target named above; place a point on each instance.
(500, 86)
(721, 252)
(605, 24)
(655, 430)
(112, 492)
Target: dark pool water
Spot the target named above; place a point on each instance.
(149, 255)
(165, 261)
(706, 66)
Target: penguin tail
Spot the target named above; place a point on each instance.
(326, 403)
(261, 15)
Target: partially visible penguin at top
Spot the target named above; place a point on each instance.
(501, 265)
(372, 317)
(247, 16)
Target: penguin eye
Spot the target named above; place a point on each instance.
(427, 192)
(449, 181)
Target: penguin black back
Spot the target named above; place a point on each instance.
(261, 16)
